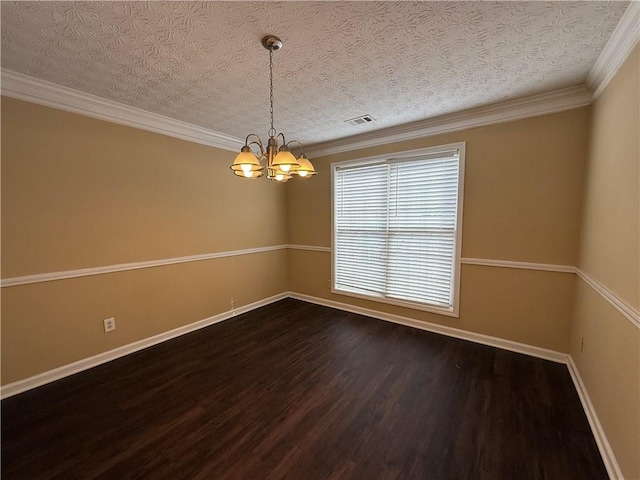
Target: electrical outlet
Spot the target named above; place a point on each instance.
(109, 324)
(233, 311)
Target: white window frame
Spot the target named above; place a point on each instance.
(454, 310)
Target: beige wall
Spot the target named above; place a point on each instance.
(79, 192)
(522, 198)
(526, 306)
(609, 248)
(609, 363)
(50, 324)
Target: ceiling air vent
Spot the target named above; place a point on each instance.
(362, 120)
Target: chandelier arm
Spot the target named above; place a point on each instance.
(258, 142)
(259, 145)
(295, 141)
(284, 141)
(246, 140)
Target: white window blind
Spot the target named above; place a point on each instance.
(395, 228)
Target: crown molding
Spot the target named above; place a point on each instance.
(525, 107)
(620, 44)
(30, 89)
(24, 87)
(618, 48)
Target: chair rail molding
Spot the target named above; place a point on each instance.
(122, 267)
(630, 313)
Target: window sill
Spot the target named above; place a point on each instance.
(449, 312)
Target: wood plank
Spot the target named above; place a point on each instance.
(300, 391)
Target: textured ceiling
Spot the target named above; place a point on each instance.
(202, 62)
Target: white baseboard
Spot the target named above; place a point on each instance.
(87, 363)
(609, 459)
(442, 330)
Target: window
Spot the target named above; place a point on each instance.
(397, 228)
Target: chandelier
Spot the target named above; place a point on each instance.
(280, 163)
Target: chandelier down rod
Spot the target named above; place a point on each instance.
(276, 158)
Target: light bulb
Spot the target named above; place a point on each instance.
(279, 177)
(303, 173)
(247, 173)
(246, 168)
(285, 168)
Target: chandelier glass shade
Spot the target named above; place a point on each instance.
(278, 161)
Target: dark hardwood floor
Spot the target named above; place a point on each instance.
(303, 392)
